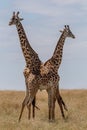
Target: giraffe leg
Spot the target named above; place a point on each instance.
(23, 105)
(53, 102)
(33, 106)
(27, 93)
(49, 104)
(53, 109)
(29, 111)
(49, 113)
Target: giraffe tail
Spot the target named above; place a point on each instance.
(61, 100)
(63, 103)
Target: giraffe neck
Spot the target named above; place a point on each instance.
(31, 57)
(25, 46)
(58, 52)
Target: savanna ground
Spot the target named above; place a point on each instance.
(76, 117)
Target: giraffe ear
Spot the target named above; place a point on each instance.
(61, 31)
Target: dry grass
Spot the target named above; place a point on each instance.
(10, 104)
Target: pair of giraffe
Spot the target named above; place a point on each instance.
(38, 75)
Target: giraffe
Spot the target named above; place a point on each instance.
(49, 79)
(31, 57)
(56, 59)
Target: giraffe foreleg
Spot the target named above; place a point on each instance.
(27, 92)
(49, 105)
(29, 111)
(25, 101)
(33, 107)
(53, 108)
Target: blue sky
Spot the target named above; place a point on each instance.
(42, 21)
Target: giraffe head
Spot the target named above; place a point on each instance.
(67, 32)
(15, 19)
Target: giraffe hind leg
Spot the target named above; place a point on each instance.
(53, 108)
(51, 100)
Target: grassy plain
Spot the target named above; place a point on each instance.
(76, 117)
